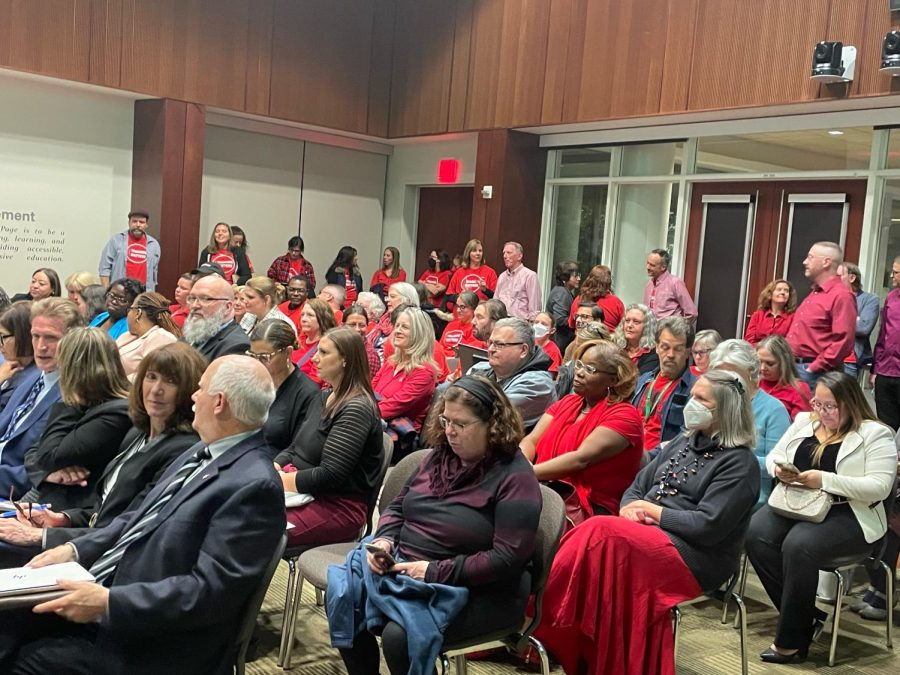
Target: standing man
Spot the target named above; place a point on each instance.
(866, 318)
(665, 294)
(886, 358)
(518, 286)
(132, 254)
(824, 325)
(210, 326)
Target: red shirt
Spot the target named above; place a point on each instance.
(763, 324)
(795, 399)
(381, 277)
(304, 353)
(442, 278)
(555, 356)
(437, 354)
(402, 394)
(179, 314)
(613, 310)
(651, 411)
(455, 333)
(136, 258)
(225, 258)
(467, 279)
(292, 314)
(824, 326)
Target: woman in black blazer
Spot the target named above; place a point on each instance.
(160, 406)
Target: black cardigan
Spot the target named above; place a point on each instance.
(292, 403)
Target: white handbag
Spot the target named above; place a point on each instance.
(800, 503)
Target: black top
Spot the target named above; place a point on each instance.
(706, 507)
(648, 362)
(828, 461)
(338, 455)
(229, 340)
(292, 401)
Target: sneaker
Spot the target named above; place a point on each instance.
(873, 613)
(862, 602)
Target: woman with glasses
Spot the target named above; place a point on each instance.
(261, 299)
(336, 454)
(705, 341)
(590, 443)
(778, 375)
(466, 518)
(271, 343)
(297, 292)
(559, 302)
(459, 331)
(592, 330)
(18, 367)
(316, 318)
(119, 297)
(150, 326)
(841, 448)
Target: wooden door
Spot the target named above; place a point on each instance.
(445, 218)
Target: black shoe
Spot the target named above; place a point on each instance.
(771, 656)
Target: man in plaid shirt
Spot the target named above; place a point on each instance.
(292, 264)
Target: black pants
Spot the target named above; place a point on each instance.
(887, 400)
(363, 657)
(787, 555)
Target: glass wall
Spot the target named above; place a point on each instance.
(580, 218)
(888, 238)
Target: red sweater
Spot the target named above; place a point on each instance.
(438, 355)
(795, 399)
(402, 394)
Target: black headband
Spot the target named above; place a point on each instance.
(478, 389)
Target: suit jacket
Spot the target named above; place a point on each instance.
(138, 475)
(29, 372)
(179, 591)
(229, 340)
(12, 457)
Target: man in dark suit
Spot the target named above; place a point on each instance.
(210, 326)
(25, 416)
(176, 572)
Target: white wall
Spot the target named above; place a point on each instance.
(412, 165)
(65, 156)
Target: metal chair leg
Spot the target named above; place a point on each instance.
(676, 623)
(542, 653)
(445, 664)
(292, 622)
(320, 598)
(838, 601)
(889, 599)
(742, 585)
(288, 597)
(460, 662)
(742, 618)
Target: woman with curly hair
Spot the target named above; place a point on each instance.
(777, 303)
(597, 287)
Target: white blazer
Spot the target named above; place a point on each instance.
(866, 469)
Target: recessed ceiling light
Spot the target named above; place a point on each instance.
(835, 132)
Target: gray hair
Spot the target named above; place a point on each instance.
(516, 245)
(647, 341)
(664, 256)
(372, 304)
(523, 330)
(739, 354)
(249, 394)
(835, 252)
(677, 326)
(708, 338)
(339, 293)
(408, 291)
(734, 412)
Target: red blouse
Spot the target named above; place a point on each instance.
(763, 323)
(795, 399)
(402, 394)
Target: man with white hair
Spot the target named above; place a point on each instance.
(772, 418)
(173, 575)
(518, 286)
(210, 326)
(334, 296)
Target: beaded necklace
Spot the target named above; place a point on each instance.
(673, 476)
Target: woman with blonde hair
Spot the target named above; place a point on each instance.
(150, 326)
(778, 375)
(597, 288)
(474, 275)
(261, 300)
(777, 303)
(316, 319)
(221, 251)
(75, 283)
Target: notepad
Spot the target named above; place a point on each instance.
(23, 580)
(292, 499)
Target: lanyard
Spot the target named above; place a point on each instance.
(649, 403)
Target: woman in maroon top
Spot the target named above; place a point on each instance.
(232, 259)
(778, 375)
(777, 303)
(592, 439)
(390, 272)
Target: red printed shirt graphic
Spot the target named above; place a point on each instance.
(226, 260)
(136, 258)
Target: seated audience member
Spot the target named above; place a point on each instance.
(437, 351)
(119, 297)
(778, 375)
(662, 394)
(316, 319)
(459, 331)
(232, 260)
(375, 309)
(771, 418)
(565, 378)
(297, 294)
(92, 302)
(18, 365)
(293, 264)
(591, 440)
(405, 384)
(585, 312)
(682, 522)
(150, 326)
(437, 276)
(543, 337)
(786, 553)
(473, 274)
(240, 307)
(210, 327)
(161, 409)
(271, 343)
(356, 318)
(334, 296)
(179, 309)
(83, 430)
(467, 518)
(337, 453)
(400, 293)
(44, 284)
(77, 282)
(596, 289)
(25, 416)
(704, 342)
(520, 368)
(344, 273)
(140, 555)
(636, 335)
(389, 273)
(560, 299)
(777, 303)
(261, 299)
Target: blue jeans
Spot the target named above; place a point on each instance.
(809, 377)
(851, 369)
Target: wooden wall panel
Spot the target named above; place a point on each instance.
(48, 38)
(259, 57)
(558, 46)
(877, 22)
(380, 67)
(320, 62)
(676, 80)
(462, 55)
(106, 43)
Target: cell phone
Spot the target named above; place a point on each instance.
(381, 553)
(787, 466)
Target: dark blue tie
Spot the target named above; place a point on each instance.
(23, 409)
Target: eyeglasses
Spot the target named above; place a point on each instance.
(116, 299)
(497, 344)
(696, 353)
(456, 426)
(18, 507)
(294, 250)
(4, 337)
(589, 369)
(818, 406)
(203, 300)
(263, 357)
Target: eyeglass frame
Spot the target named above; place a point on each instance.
(202, 300)
(263, 357)
(5, 337)
(500, 344)
(444, 421)
(117, 300)
(578, 364)
(829, 407)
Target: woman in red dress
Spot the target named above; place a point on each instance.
(777, 303)
(778, 375)
(474, 275)
(316, 319)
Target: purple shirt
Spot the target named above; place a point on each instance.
(519, 290)
(887, 348)
(668, 296)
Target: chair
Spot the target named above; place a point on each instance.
(512, 636)
(253, 606)
(291, 556)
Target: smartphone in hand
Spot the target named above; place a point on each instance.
(384, 556)
(787, 466)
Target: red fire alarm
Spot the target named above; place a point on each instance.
(448, 171)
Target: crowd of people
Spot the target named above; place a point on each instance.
(118, 405)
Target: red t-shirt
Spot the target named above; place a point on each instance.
(292, 314)
(613, 310)
(442, 278)
(456, 332)
(136, 258)
(651, 411)
(179, 314)
(225, 258)
(381, 277)
(794, 399)
(467, 279)
(555, 356)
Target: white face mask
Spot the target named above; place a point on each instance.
(697, 416)
(540, 330)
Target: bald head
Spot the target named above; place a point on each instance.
(234, 396)
(822, 261)
(211, 296)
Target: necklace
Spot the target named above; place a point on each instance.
(679, 468)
